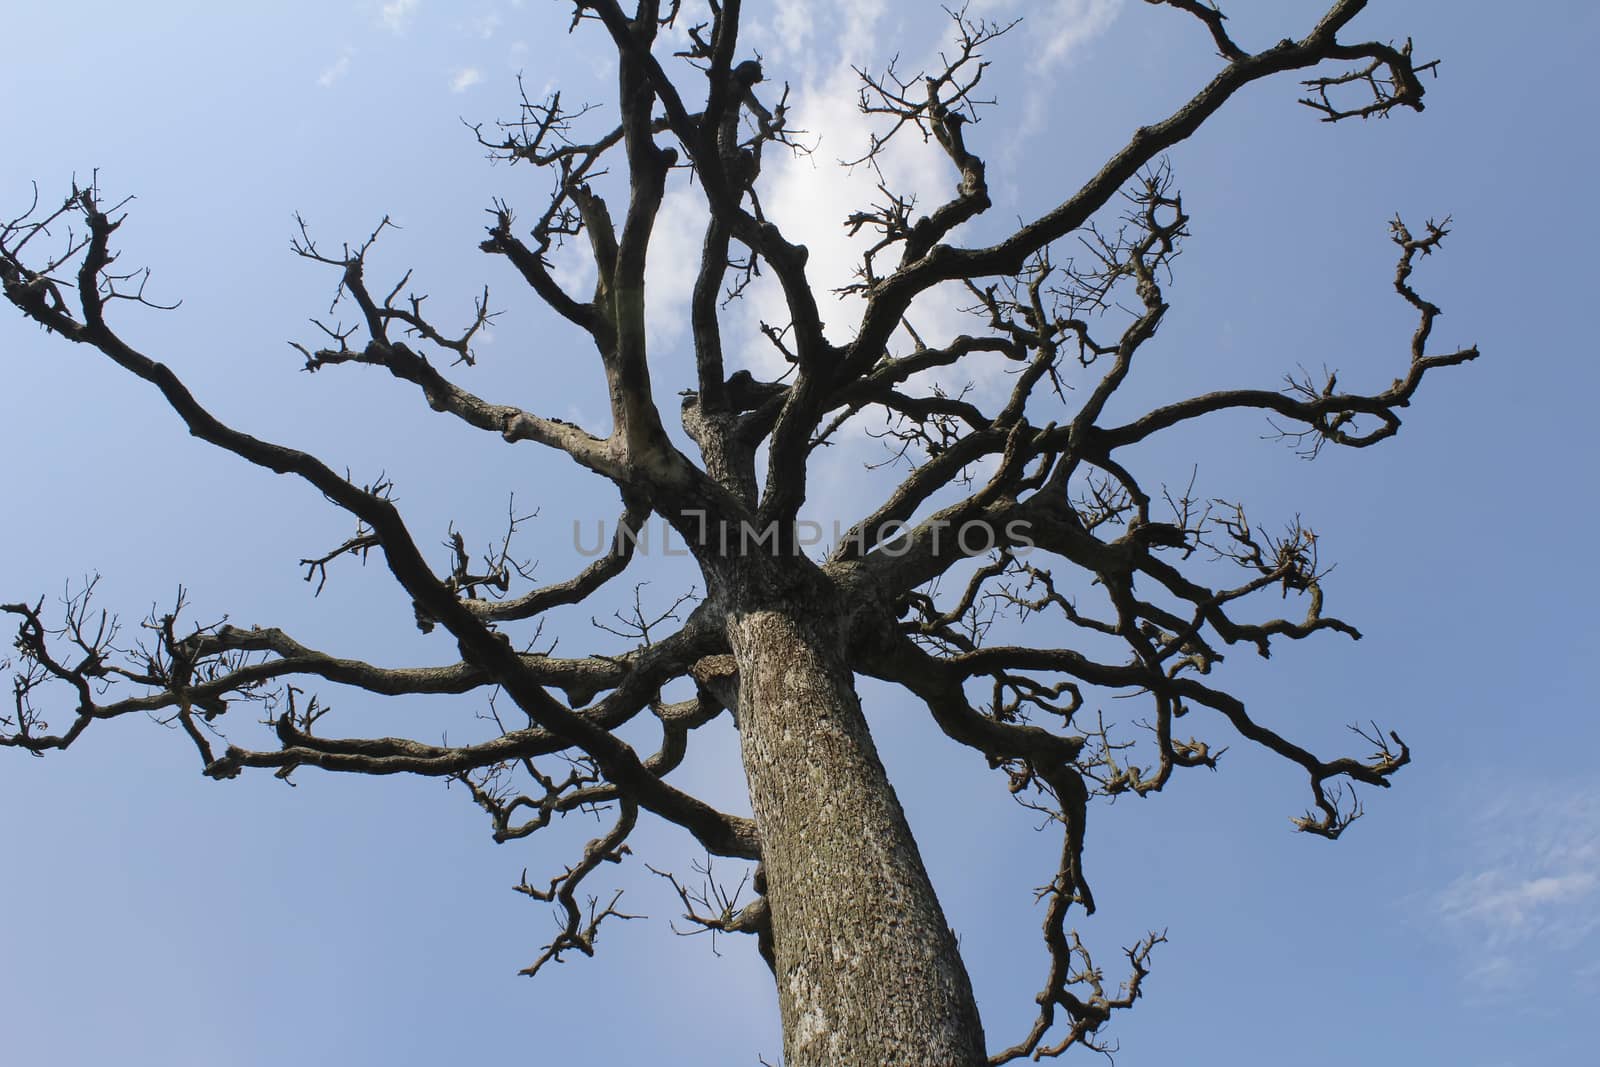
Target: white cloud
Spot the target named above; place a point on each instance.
(465, 78)
(1532, 891)
(1055, 34)
(336, 70)
(486, 26)
(810, 196)
(814, 46)
(674, 259)
(396, 14)
(1509, 906)
(572, 266)
(861, 19)
(1065, 27)
(1054, 30)
(793, 24)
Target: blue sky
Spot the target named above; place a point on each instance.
(154, 916)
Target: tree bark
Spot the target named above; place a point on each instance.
(868, 970)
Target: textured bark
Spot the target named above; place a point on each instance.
(868, 971)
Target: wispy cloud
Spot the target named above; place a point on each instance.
(1531, 895)
(465, 78)
(1054, 31)
(336, 70)
(396, 14)
(486, 26)
(1061, 30)
(1055, 34)
(1509, 906)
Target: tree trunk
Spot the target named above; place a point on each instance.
(868, 971)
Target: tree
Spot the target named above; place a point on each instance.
(1019, 492)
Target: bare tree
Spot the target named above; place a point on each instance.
(1027, 509)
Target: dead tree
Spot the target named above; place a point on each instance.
(1029, 507)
